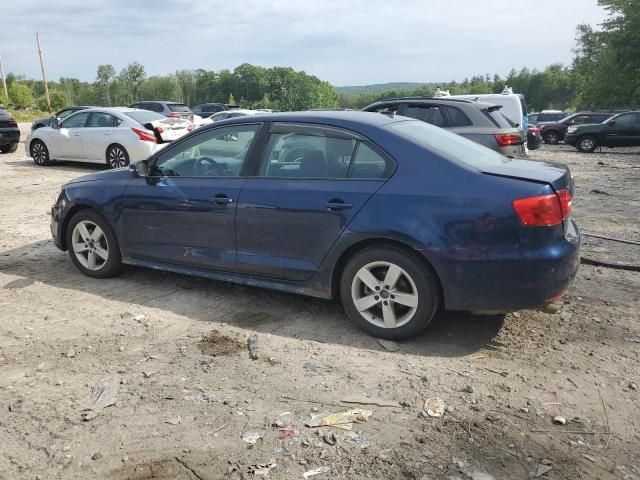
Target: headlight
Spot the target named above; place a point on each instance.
(572, 129)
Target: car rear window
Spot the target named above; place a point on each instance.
(499, 119)
(145, 116)
(448, 145)
(178, 107)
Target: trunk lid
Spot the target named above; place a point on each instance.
(555, 174)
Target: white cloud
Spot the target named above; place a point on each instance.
(345, 42)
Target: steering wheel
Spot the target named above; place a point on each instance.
(207, 166)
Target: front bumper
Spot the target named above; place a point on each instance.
(571, 139)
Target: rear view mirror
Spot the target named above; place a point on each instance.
(139, 169)
(227, 138)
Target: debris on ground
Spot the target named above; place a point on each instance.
(252, 344)
(542, 469)
(286, 432)
(330, 438)
(252, 437)
(434, 407)
(174, 421)
(262, 469)
(343, 420)
(559, 420)
(106, 398)
(389, 345)
(316, 471)
(375, 402)
(314, 367)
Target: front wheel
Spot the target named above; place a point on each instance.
(40, 153)
(389, 292)
(587, 144)
(92, 245)
(11, 148)
(117, 156)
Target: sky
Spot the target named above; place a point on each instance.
(346, 42)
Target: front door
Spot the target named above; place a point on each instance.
(623, 131)
(184, 212)
(67, 140)
(310, 183)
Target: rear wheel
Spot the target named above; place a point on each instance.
(117, 156)
(92, 245)
(39, 153)
(389, 292)
(551, 138)
(587, 144)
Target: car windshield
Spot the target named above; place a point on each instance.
(178, 107)
(448, 145)
(144, 116)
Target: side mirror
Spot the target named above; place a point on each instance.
(139, 169)
(55, 122)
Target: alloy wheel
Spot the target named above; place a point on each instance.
(384, 294)
(39, 153)
(90, 245)
(587, 144)
(117, 158)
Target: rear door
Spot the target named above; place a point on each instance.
(98, 135)
(67, 140)
(310, 183)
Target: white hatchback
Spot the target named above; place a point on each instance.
(113, 136)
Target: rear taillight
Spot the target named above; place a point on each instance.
(543, 210)
(508, 139)
(189, 127)
(144, 135)
(534, 130)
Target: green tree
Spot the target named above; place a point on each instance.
(58, 101)
(132, 76)
(105, 76)
(21, 95)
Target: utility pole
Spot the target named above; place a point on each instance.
(44, 75)
(4, 82)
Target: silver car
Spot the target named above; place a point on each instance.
(112, 136)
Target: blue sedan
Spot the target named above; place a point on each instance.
(394, 216)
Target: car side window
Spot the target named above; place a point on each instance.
(626, 120)
(387, 109)
(64, 113)
(427, 113)
(219, 152)
(457, 117)
(370, 164)
(581, 120)
(307, 155)
(102, 119)
(75, 121)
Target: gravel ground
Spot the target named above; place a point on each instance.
(175, 349)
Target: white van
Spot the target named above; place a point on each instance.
(514, 106)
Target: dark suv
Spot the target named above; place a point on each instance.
(205, 110)
(480, 122)
(9, 132)
(169, 109)
(554, 132)
(623, 130)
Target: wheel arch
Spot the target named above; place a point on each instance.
(113, 144)
(353, 249)
(69, 215)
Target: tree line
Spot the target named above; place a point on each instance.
(605, 74)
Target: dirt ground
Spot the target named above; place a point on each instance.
(189, 399)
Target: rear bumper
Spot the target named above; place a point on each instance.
(520, 280)
(9, 136)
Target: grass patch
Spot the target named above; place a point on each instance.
(28, 115)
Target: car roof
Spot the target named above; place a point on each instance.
(114, 110)
(338, 118)
(466, 101)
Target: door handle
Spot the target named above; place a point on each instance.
(337, 204)
(222, 199)
(76, 134)
(107, 133)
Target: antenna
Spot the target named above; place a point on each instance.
(44, 75)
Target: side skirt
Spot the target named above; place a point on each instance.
(262, 282)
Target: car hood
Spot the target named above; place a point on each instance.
(555, 174)
(107, 175)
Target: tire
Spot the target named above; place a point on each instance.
(117, 156)
(551, 138)
(89, 240)
(12, 147)
(40, 153)
(414, 280)
(587, 144)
